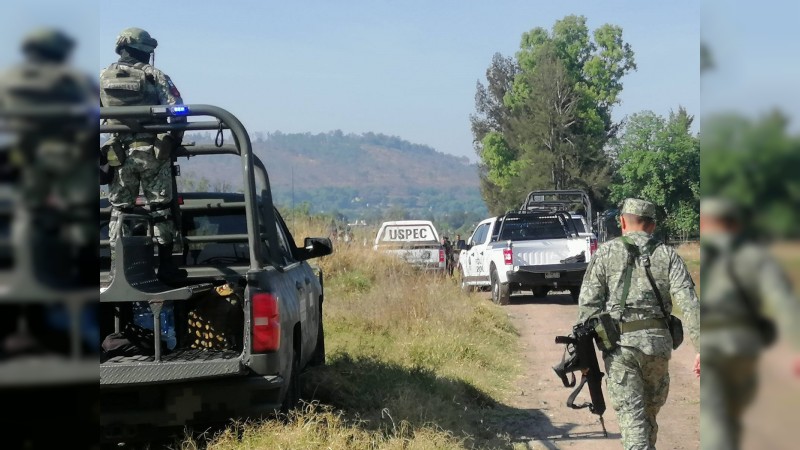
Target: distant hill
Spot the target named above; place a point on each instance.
(366, 176)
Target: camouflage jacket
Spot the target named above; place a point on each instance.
(602, 291)
(727, 329)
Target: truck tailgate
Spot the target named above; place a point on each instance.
(545, 252)
(187, 364)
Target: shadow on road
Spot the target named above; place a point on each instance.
(531, 425)
(369, 389)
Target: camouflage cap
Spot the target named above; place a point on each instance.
(136, 38)
(638, 207)
(720, 208)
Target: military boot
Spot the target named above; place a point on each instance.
(167, 270)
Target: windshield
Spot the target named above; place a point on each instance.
(532, 228)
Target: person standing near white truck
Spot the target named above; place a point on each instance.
(415, 241)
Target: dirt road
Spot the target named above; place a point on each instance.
(548, 424)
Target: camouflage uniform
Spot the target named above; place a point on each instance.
(141, 167)
(731, 343)
(638, 377)
(57, 199)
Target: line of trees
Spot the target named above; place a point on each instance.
(543, 120)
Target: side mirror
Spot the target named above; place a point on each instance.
(468, 245)
(315, 247)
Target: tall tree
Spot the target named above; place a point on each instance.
(755, 161)
(490, 125)
(658, 159)
(545, 116)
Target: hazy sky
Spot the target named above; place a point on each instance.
(406, 68)
(754, 46)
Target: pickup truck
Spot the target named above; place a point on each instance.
(415, 241)
(526, 250)
(247, 318)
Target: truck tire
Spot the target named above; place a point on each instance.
(501, 294)
(575, 292)
(466, 288)
(292, 396)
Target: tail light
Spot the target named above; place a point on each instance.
(441, 255)
(592, 245)
(508, 255)
(266, 323)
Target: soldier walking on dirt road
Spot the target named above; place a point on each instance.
(738, 277)
(617, 282)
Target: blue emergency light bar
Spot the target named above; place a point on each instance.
(172, 111)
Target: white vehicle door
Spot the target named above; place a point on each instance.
(475, 255)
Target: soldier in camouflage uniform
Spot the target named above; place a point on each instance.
(142, 159)
(638, 377)
(738, 278)
(52, 159)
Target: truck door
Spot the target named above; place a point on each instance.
(475, 253)
(297, 285)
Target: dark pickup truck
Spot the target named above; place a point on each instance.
(247, 319)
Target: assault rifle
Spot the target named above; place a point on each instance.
(582, 356)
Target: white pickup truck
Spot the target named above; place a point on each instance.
(415, 241)
(526, 250)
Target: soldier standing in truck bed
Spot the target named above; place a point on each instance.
(142, 159)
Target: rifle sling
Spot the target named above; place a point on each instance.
(574, 395)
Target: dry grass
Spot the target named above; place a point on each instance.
(412, 362)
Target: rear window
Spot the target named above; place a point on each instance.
(578, 225)
(204, 253)
(523, 228)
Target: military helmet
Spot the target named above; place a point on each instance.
(51, 41)
(136, 38)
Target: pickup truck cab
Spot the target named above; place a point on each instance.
(415, 241)
(247, 318)
(525, 250)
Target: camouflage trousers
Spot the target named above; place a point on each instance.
(59, 191)
(638, 386)
(727, 387)
(142, 170)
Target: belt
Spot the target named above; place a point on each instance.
(733, 322)
(644, 324)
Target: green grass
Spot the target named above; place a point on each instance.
(412, 363)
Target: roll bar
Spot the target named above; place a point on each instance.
(251, 165)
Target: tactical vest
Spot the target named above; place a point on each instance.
(124, 85)
(33, 84)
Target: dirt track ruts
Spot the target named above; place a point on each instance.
(548, 424)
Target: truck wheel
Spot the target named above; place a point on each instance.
(464, 286)
(292, 396)
(575, 292)
(501, 294)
